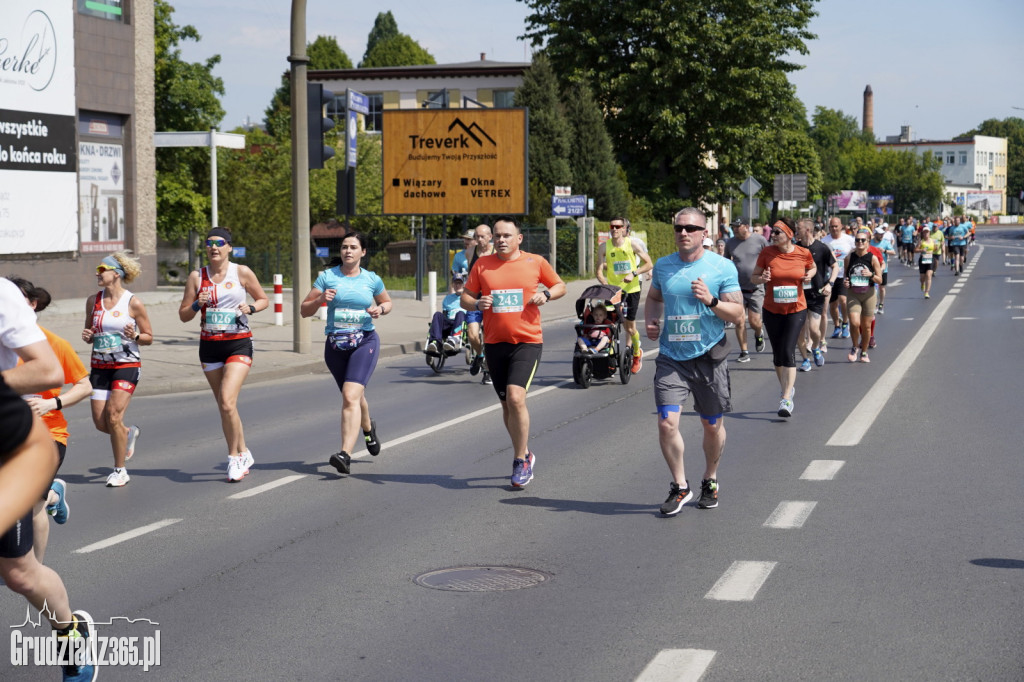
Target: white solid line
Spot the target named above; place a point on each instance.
(822, 469)
(1014, 255)
(741, 581)
(1014, 281)
(110, 542)
(965, 318)
(1013, 265)
(790, 514)
(677, 665)
(1017, 318)
(265, 487)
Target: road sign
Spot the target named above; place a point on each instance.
(357, 101)
(238, 252)
(790, 187)
(574, 205)
(322, 251)
(563, 190)
(750, 186)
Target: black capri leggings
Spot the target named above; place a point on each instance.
(783, 332)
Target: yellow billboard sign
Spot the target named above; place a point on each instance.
(454, 161)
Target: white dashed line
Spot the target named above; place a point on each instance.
(822, 469)
(110, 542)
(790, 514)
(265, 487)
(677, 665)
(1013, 265)
(741, 581)
(965, 318)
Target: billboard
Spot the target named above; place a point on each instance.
(850, 200)
(454, 161)
(880, 204)
(101, 202)
(990, 201)
(38, 158)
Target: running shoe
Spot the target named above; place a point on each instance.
(708, 494)
(927, 295)
(238, 466)
(744, 356)
(785, 407)
(450, 347)
(852, 355)
(824, 346)
(759, 343)
(82, 628)
(638, 362)
(433, 349)
(133, 438)
(478, 362)
(881, 309)
(522, 470)
(60, 510)
(819, 359)
(486, 380)
(837, 332)
(871, 342)
(372, 444)
(846, 330)
(118, 478)
(677, 497)
(340, 461)
(805, 366)
(864, 357)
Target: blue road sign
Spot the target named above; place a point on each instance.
(350, 132)
(571, 205)
(238, 252)
(357, 101)
(322, 252)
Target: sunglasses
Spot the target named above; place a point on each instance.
(100, 269)
(776, 233)
(689, 228)
(616, 227)
(861, 241)
(216, 242)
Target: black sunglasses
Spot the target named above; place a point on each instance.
(861, 241)
(689, 228)
(776, 233)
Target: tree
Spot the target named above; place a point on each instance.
(1013, 129)
(592, 159)
(324, 53)
(185, 97)
(398, 50)
(550, 136)
(679, 80)
(913, 179)
(384, 27)
(838, 140)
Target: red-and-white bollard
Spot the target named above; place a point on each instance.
(279, 300)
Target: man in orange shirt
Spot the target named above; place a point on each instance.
(504, 287)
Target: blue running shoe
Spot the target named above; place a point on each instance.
(522, 470)
(819, 357)
(83, 629)
(837, 332)
(805, 366)
(60, 510)
(846, 330)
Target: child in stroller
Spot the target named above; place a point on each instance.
(601, 348)
(596, 332)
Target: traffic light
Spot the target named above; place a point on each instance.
(317, 124)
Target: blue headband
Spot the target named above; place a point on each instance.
(112, 263)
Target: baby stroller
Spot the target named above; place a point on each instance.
(616, 356)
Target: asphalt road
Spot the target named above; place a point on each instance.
(908, 565)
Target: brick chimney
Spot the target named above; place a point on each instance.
(869, 110)
(483, 56)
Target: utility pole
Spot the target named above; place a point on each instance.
(300, 178)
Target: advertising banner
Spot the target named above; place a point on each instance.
(38, 159)
(990, 201)
(101, 199)
(880, 204)
(851, 200)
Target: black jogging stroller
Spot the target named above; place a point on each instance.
(618, 355)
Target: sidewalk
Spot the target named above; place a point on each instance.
(171, 364)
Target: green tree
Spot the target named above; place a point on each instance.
(1013, 129)
(324, 53)
(913, 179)
(398, 50)
(185, 96)
(592, 159)
(550, 136)
(839, 140)
(679, 81)
(384, 27)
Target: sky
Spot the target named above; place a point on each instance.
(940, 66)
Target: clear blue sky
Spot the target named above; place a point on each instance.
(941, 66)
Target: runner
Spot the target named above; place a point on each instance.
(816, 292)
(863, 271)
(28, 461)
(959, 234)
(474, 318)
(355, 298)
(621, 261)
(504, 287)
(693, 294)
(116, 324)
(743, 250)
(784, 268)
(926, 264)
(460, 261)
(841, 245)
(883, 243)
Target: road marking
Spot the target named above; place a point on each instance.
(822, 469)
(110, 542)
(265, 487)
(1013, 265)
(965, 318)
(790, 515)
(906, 319)
(741, 581)
(1014, 255)
(677, 665)
(897, 283)
(1017, 318)
(1014, 281)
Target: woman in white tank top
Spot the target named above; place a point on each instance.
(116, 324)
(218, 293)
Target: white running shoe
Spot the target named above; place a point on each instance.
(238, 466)
(117, 478)
(133, 438)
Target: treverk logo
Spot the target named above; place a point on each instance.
(459, 141)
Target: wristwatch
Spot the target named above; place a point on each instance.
(547, 294)
(714, 302)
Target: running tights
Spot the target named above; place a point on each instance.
(783, 332)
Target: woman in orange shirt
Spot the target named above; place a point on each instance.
(786, 270)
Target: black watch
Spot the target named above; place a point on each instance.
(60, 405)
(252, 309)
(714, 302)
(547, 293)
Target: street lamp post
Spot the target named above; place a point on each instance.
(300, 178)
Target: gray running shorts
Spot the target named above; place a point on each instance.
(674, 381)
(752, 300)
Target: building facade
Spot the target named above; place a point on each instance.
(78, 179)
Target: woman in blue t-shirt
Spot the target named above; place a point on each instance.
(354, 299)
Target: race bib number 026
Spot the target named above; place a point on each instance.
(221, 319)
(507, 301)
(683, 328)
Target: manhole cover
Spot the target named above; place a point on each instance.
(481, 578)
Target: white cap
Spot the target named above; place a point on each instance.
(708, 242)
